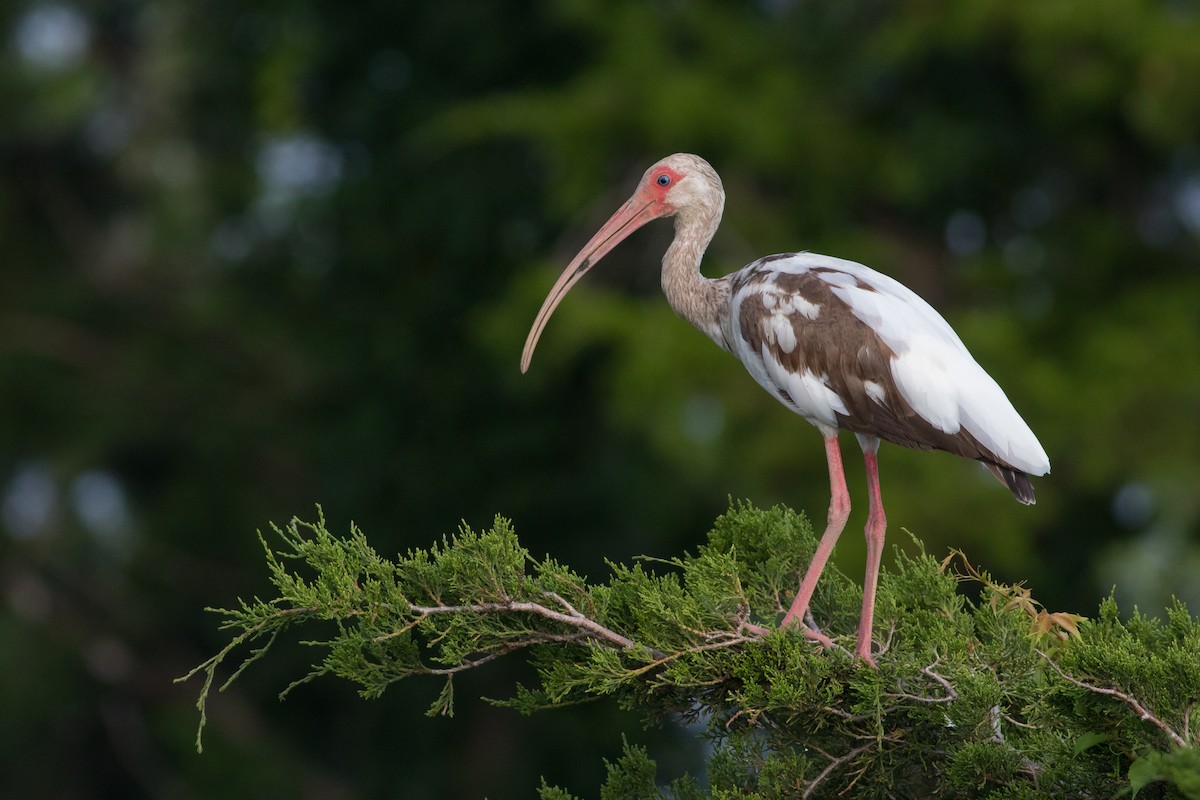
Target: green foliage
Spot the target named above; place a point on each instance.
(988, 698)
(1180, 768)
(634, 777)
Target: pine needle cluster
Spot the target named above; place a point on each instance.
(987, 697)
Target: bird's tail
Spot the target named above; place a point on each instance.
(1016, 481)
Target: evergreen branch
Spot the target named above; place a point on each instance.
(573, 618)
(1142, 712)
(269, 626)
(684, 640)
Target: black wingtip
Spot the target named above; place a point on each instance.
(1016, 481)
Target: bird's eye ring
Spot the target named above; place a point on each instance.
(664, 180)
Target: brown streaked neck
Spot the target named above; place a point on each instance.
(701, 301)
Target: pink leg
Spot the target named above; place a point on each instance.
(876, 527)
(839, 512)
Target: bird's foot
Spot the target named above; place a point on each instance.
(809, 627)
(810, 631)
(863, 650)
(757, 630)
(817, 636)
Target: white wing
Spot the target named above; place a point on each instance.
(932, 369)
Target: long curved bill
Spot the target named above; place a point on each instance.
(636, 212)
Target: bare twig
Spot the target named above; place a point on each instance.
(945, 684)
(833, 765)
(1139, 709)
(751, 714)
(1013, 721)
(994, 719)
(504, 649)
(563, 602)
(1030, 767)
(950, 696)
(886, 644)
(852, 718)
(571, 617)
(466, 664)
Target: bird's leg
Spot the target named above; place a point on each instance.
(876, 527)
(839, 511)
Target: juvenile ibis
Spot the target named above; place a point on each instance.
(837, 343)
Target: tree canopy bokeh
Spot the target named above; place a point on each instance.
(257, 256)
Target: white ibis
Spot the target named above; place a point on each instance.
(836, 342)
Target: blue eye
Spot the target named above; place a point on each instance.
(664, 180)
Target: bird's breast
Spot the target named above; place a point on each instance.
(801, 344)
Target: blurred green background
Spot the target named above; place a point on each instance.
(256, 256)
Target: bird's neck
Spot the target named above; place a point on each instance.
(699, 300)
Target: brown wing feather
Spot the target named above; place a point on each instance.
(843, 349)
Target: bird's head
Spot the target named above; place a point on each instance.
(680, 185)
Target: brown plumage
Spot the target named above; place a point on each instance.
(838, 345)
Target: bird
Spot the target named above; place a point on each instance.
(834, 341)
